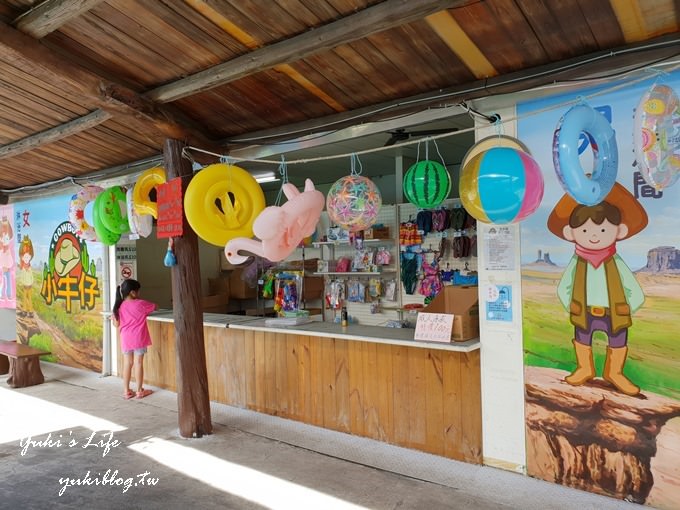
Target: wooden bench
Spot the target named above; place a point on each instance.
(24, 364)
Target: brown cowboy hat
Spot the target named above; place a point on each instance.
(632, 213)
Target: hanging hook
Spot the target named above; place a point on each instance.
(354, 159)
(283, 172)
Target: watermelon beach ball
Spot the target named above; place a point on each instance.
(353, 203)
(427, 184)
(501, 185)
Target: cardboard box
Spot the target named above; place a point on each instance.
(377, 233)
(312, 287)
(215, 304)
(239, 289)
(463, 303)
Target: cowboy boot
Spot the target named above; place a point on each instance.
(613, 371)
(585, 369)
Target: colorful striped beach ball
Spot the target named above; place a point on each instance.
(501, 185)
(427, 184)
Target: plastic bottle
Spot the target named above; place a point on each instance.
(343, 316)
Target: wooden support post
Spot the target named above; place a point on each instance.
(192, 377)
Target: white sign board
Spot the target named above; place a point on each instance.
(434, 327)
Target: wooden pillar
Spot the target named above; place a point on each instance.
(193, 400)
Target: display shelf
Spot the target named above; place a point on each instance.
(350, 273)
(318, 244)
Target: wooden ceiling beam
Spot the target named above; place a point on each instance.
(93, 91)
(383, 16)
(48, 16)
(54, 134)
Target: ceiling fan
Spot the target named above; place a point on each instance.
(401, 135)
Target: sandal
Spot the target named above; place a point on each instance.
(144, 393)
(128, 395)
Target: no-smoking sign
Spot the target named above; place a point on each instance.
(126, 271)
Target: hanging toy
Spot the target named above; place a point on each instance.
(170, 259)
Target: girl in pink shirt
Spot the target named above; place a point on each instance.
(129, 313)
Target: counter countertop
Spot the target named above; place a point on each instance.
(362, 333)
(378, 334)
(209, 319)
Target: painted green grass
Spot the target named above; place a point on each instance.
(44, 343)
(654, 349)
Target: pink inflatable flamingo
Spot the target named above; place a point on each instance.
(281, 229)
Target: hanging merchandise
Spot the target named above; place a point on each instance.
(424, 222)
(104, 235)
(170, 259)
(501, 185)
(112, 209)
(390, 291)
(221, 202)
(410, 266)
(268, 285)
(427, 183)
(76, 212)
(141, 225)
(281, 229)
(490, 142)
(656, 136)
(383, 257)
(353, 202)
(335, 295)
(356, 292)
(149, 180)
(588, 187)
(375, 288)
(431, 284)
(408, 234)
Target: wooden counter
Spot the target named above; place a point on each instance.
(359, 380)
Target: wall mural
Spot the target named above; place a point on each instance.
(601, 305)
(7, 257)
(58, 284)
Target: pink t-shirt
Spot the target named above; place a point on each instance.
(134, 333)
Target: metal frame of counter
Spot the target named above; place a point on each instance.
(364, 380)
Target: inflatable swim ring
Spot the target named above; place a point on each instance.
(104, 235)
(76, 212)
(149, 180)
(113, 210)
(141, 225)
(221, 202)
(656, 136)
(585, 189)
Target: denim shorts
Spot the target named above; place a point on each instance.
(138, 352)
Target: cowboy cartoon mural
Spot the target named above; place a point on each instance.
(597, 288)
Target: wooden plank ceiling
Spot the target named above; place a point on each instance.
(87, 85)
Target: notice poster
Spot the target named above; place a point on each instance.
(499, 303)
(500, 248)
(434, 327)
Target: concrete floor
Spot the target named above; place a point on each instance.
(252, 461)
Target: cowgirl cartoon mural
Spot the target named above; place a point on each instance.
(597, 287)
(25, 278)
(6, 258)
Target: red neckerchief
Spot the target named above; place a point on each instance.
(596, 257)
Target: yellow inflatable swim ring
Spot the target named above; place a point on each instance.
(149, 180)
(221, 202)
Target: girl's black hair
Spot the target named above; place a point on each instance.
(122, 292)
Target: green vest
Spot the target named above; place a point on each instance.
(619, 310)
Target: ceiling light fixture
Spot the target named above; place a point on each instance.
(265, 177)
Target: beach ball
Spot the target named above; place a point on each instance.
(427, 184)
(353, 203)
(501, 185)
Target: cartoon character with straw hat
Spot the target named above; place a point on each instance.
(597, 288)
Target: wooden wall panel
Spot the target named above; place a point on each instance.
(383, 374)
(453, 405)
(341, 374)
(400, 378)
(426, 399)
(434, 403)
(357, 421)
(471, 399)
